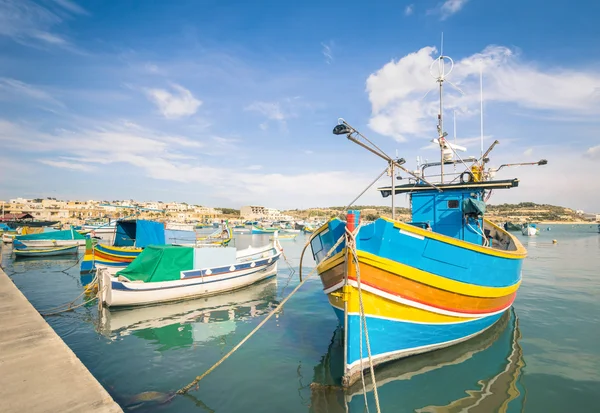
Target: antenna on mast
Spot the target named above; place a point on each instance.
(481, 103)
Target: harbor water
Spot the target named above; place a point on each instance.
(543, 356)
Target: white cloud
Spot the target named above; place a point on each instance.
(409, 10)
(327, 51)
(397, 90)
(254, 167)
(174, 105)
(528, 152)
(593, 152)
(67, 165)
(447, 8)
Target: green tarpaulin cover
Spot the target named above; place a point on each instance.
(56, 235)
(159, 263)
(472, 206)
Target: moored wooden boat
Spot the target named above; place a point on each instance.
(168, 273)
(529, 230)
(260, 230)
(63, 238)
(45, 252)
(442, 278)
(131, 236)
(284, 237)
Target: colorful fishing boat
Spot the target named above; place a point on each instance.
(63, 238)
(261, 230)
(442, 278)
(308, 229)
(131, 236)
(45, 252)
(164, 273)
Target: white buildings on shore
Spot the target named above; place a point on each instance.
(255, 212)
(51, 209)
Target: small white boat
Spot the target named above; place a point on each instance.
(179, 226)
(45, 252)
(65, 238)
(8, 238)
(108, 228)
(529, 230)
(291, 231)
(167, 273)
(201, 313)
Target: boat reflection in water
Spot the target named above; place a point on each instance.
(193, 321)
(479, 375)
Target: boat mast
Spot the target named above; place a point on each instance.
(440, 77)
(393, 190)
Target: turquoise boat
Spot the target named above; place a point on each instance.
(405, 288)
(260, 230)
(45, 252)
(68, 237)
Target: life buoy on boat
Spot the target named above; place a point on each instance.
(468, 179)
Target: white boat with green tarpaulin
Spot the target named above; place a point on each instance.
(170, 272)
(67, 237)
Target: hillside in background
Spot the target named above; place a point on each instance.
(522, 212)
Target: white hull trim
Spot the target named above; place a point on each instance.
(117, 293)
(52, 243)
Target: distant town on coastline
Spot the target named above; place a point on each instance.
(69, 211)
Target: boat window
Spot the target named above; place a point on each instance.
(453, 203)
(316, 246)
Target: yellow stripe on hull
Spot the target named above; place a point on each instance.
(420, 276)
(376, 306)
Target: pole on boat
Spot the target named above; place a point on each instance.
(393, 190)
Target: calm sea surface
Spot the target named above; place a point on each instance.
(542, 357)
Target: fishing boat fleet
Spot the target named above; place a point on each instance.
(397, 288)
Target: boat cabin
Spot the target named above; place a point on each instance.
(456, 210)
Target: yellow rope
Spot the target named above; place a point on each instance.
(187, 388)
(363, 322)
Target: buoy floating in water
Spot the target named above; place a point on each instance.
(554, 241)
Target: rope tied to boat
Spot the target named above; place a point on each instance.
(351, 245)
(194, 382)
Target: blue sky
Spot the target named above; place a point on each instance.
(231, 103)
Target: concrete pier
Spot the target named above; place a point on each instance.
(38, 371)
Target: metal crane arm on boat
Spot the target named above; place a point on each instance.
(541, 162)
(343, 128)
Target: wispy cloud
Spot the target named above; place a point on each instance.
(155, 155)
(67, 165)
(71, 6)
(396, 90)
(32, 24)
(327, 50)
(409, 10)
(272, 110)
(16, 88)
(172, 105)
(447, 8)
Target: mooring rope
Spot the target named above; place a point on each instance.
(67, 306)
(363, 322)
(194, 382)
